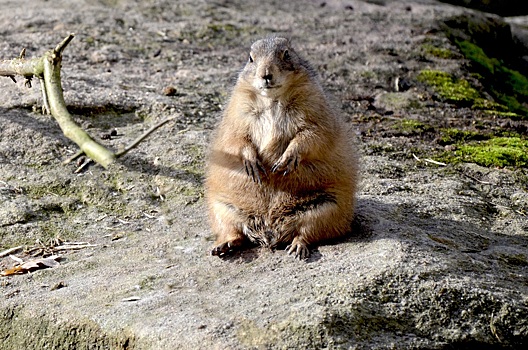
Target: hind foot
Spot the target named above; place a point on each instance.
(299, 248)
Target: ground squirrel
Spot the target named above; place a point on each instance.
(282, 170)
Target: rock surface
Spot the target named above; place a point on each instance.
(437, 258)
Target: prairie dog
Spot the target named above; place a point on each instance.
(282, 170)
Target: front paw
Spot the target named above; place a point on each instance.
(224, 249)
(252, 165)
(287, 163)
(254, 169)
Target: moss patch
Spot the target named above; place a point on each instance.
(453, 136)
(453, 90)
(497, 152)
(438, 52)
(460, 92)
(411, 126)
(507, 85)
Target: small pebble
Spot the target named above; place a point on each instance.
(59, 285)
(169, 91)
(80, 161)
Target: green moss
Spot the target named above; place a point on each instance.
(460, 92)
(477, 55)
(44, 189)
(503, 114)
(507, 85)
(495, 152)
(410, 126)
(437, 51)
(381, 148)
(452, 136)
(453, 90)
(488, 105)
(101, 195)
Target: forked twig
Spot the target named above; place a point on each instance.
(47, 70)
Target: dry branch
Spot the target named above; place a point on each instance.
(10, 251)
(47, 70)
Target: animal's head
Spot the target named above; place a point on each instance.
(271, 63)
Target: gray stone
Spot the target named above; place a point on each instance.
(437, 257)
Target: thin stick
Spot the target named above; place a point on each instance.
(434, 162)
(74, 246)
(475, 179)
(427, 160)
(131, 146)
(83, 165)
(62, 45)
(142, 137)
(72, 158)
(10, 251)
(45, 104)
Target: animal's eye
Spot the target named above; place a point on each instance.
(250, 58)
(286, 55)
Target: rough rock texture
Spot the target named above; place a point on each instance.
(437, 258)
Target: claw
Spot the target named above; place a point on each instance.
(300, 250)
(275, 167)
(249, 169)
(222, 249)
(253, 170)
(261, 168)
(227, 248)
(287, 165)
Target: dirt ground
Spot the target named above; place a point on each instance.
(437, 258)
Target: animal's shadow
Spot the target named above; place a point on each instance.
(360, 231)
(375, 220)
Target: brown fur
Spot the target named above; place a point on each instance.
(282, 169)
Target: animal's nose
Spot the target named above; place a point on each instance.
(267, 77)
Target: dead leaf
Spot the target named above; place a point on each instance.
(32, 265)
